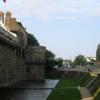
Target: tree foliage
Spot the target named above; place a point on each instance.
(50, 59)
(31, 40)
(98, 53)
(49, 54)
(59, 62)
(80, 60)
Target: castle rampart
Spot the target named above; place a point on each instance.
(18, 62)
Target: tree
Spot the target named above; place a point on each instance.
(31, 40)
(49, 54)
(50, 60)
(98, 53)
(59, 62)
(80, 60)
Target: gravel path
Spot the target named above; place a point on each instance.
(84, 92)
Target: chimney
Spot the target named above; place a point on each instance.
(2, 17)
(8, 21)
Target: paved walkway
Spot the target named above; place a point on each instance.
(85, 93)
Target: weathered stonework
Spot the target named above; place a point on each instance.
(35, 60)
(17, 61)
(12, 68)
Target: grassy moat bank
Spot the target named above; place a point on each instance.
(70, 81)
(66, 89)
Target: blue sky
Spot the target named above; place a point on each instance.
(66, 27)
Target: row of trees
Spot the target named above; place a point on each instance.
(50, 56)
(51, 61)
(81, 60)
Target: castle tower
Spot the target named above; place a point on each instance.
(2, 17)
(8, 21)
(35, 60)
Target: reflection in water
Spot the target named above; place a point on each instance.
(28, 91)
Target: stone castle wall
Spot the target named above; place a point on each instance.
(15, 67)
(17, 61)
(35, 60)
(12, 68)
(7, 62)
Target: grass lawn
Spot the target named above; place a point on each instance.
(65, 90)
(63, 83)
(97, 97)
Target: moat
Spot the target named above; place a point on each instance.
(28, 90)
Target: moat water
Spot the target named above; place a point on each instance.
(28, 90)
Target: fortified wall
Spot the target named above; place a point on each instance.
(35, 57)
(18, 61)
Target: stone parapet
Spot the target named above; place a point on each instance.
(8, 37)
(13, 27)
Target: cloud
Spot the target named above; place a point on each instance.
(53, 9)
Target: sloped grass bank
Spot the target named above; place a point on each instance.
(66, 89)
(65, 82)
(73, 79)
(97, 97)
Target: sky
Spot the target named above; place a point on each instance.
(66, 27)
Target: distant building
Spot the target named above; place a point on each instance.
(90, 61)
(67, 63)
